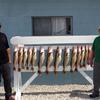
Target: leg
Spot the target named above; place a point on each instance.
(96, 85)
(96, 81)
(96, 77)
(0, 74)
(96, 89)
(7, 80)
(95, 92)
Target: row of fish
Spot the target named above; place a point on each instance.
(77, 56)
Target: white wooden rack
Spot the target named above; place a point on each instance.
(46, 41)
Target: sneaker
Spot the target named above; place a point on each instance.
(93, 95)
(11, 98)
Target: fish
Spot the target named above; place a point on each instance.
(20, 58)
(25, 57)
(82, 56)
(34, 57)
(58, 58)
(29, 58)
(86, 55)
(66, 58)
(41, 59)
(49, 59)
(89, 53)
(15, 58)
(78, 63)
(73, 59)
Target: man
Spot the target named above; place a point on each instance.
(95, 56)
(5, 60)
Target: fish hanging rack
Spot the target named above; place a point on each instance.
(45, 41)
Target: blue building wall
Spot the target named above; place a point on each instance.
(15, 15)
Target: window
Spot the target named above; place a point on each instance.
(43, 26)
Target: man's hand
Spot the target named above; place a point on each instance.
(91, 58)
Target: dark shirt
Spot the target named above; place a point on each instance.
(96, 49)
(3, 48)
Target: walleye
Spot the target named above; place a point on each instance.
(57, 59)
(15, 58)
(20, 58)
(41, 59)
(66, 58)
(89, 53)
(78, 57)
(73, 59)
(82, 56)
(34, 57)
(29, 57)
(49, 59)
(25, 56)
(86, 55)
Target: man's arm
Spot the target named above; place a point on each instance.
(91, 57)
(9, 55)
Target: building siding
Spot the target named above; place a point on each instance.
(16, 15)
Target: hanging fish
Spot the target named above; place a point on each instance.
(73, 59)
(15, 58)
(82, 56)
(41, 60)
(86, 55)
(78, 57)
(49, 59)
(66, 58)
(29, 57)
(20, 58)
(89, 53)
(57, 59)
(25, 56)
(34, 57)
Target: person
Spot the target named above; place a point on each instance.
(95, 62)
(5, 60)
